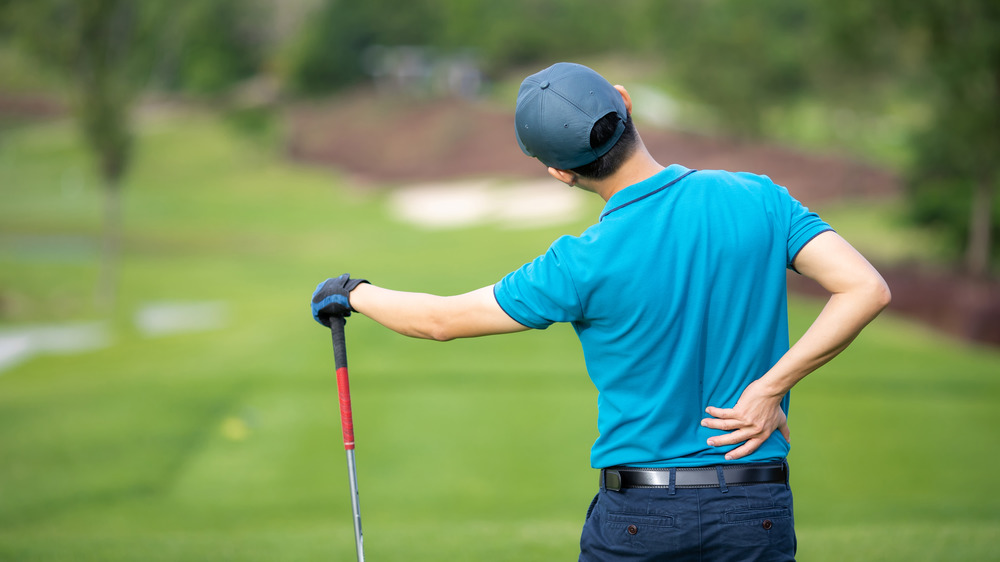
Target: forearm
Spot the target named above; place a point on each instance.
(409, 314)
(858, 295)
(426, 316)
(840, 322)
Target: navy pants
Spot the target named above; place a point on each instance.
(746, 523)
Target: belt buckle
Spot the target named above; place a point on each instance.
(611, 480)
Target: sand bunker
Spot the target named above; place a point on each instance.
(462, 204)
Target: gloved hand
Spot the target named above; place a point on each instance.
(333, 298)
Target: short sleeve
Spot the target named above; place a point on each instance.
(803, 226)
(541, 292)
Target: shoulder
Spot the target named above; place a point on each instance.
(747, 180)
(749, 186)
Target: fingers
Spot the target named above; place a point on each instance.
(720, 412)
(743, 430)
(744, 450)
(733, 438)
(723, 424)
(724, 419)
(750, 440)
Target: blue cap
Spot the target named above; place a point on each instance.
(556, 110)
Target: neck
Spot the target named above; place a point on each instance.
(640, 166)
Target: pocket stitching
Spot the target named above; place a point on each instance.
(754, 515)
(652, 520)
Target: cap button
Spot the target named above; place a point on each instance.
(544, 85)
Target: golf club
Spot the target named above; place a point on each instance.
(347, 424)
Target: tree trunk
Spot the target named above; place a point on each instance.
(979, 247)
(107, 284)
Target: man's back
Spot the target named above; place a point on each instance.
(678, 297)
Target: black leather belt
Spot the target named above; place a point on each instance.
(621, 477)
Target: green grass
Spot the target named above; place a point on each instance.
(882, 231)
(470, 450)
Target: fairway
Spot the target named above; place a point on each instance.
(220, 440)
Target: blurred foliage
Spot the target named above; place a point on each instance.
(103, 47)
(955, 174)
(181, 45)
(745, 57)
(747, 61)
(214, 45)
(110, 51)
(330, 52)
(100, 46)
(958, 153)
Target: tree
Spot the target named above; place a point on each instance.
(741, 58)
(98, 46)
(330, 50)
(958, 152)
(956, 43)
(209, 45)
(109, 52)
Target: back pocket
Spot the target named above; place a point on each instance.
(624, 520)
(756, 516)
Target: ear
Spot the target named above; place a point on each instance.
(565, 176)
(626, 97)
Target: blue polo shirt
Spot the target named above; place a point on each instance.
(678, 296)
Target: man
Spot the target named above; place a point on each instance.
(678, 297)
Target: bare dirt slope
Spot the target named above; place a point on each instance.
(385, 140)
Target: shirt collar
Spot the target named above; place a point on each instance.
(645, 188)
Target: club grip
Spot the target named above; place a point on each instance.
(343, 383)
(339, 346)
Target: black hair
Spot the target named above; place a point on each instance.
(608, 164)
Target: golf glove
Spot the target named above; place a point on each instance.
(333, 298)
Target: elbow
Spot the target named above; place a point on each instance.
(436, 321)
(870, 295)
(438, 330)
(880, 294)
(440, 335)
(886, 296)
